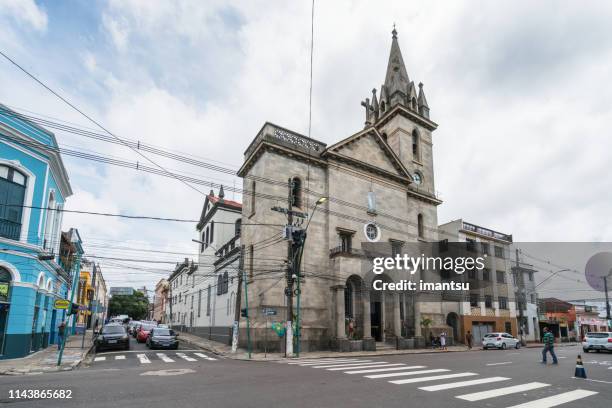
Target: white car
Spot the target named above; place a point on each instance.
(500, 341)
(597, 341)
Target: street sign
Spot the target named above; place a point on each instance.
(61, 304)
(269, 312)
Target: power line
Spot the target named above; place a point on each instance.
(89, 118)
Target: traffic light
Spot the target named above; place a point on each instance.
(244, 312)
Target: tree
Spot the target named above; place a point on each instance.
(135, 305)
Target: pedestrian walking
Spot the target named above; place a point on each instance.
(432, 340)
(60, 334)
(549, 346)
(443, 341)
(468, 339)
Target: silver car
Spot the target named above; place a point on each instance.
(597, 341)
(500, 340)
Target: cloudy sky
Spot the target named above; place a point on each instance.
(520, 90)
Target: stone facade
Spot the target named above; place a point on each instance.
(379, 185)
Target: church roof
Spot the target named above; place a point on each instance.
(215, 202)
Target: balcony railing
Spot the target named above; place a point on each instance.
(345, 251)
(10, 229)
(486, 232)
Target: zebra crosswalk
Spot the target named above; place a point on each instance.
(444, 379)
(148, 358)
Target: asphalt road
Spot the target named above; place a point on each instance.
(204, 382)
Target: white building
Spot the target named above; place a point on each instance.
(182, 284)
(203, 295)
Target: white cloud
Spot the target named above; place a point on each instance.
(25, 11)
(521, 95)
(117, 30)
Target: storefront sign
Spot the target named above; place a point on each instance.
(61, 304)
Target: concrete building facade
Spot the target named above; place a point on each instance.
(33, 188)
(491, 305)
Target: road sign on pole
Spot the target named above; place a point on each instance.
(269, 312)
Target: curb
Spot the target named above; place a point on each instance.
(210, 350)
(49, 369)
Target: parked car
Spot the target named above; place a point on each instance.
(143, 332)
(112, 336)
(132, 326)
(597, 341)
(161, 337)
(500, 341)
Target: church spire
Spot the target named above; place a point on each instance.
(423, 106)
(396, 80)
(397, 89)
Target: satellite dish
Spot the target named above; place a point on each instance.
(597, 268)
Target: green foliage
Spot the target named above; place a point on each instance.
(425, 322)
(135, 305)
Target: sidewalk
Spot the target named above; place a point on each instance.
(242, 354)
(46, 360)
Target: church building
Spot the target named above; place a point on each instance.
(379, 187)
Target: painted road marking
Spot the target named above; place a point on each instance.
(316, 360)
(448, 386)
(432, 378)
(185, 357)
(477, 396)
(319, 360)
(557, 399)
(505, 362)
(377, 370)
(334, 362)
(349, 365)
(99, 358)
(366, 366)
(120, 357)
(435, 370)
(165, 358)
(143, 359)
(179, 371)
(204, 356)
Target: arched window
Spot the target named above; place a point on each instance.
(413, 104)
(12, 194)
(296, 192)
(237, 227)
(420, 225)
(416, 145)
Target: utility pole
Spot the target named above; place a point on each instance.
(605, 279)
(289, 293)
(86, 323)
(76, 268)
(246, 304)
(294, 243)
(521, 293)
(237, 309)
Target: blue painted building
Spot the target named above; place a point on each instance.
(36, 258)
